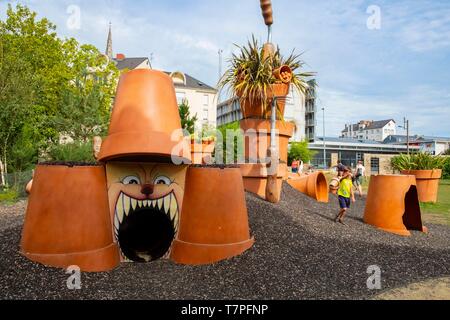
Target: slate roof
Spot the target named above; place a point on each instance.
(372, 126)
(193, 83)
(129, 63)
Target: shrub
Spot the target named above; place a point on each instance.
(419, 161)
(446, 169)
(72, 152)
(299, 150)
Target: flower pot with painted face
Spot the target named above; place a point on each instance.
(67, 220)
(427, 183)
(145, 121)
(214, 220)
(145, 201)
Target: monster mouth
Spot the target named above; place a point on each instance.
(145, 229)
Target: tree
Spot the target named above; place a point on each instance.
(187, 121)
(48, 86)
(300, 151)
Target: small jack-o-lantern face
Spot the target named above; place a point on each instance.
(145, 202)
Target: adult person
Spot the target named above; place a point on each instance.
(359, 175)
(340, 168)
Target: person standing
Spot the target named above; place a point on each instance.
(295, 166)
(360, 174)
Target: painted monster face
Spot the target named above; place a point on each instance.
(145, 202)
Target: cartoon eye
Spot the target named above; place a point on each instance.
(131, 180)
(163, 180)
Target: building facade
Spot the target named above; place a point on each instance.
(375, 155)
(299, 110)
(428, 144)
(370, 130)
(202, 99)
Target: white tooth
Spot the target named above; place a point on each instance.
(153, 203)
(126, 204)
(145, 203)
(119, 210)
(140, 203)
(134, 203)
(167, 204)
(160, 204)
(175, 222)
(116, 226)
(173, 207)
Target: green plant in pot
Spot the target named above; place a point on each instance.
(256, 77)
(426, 168)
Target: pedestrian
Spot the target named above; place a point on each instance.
(345, 195)
(295, 166)
(360, 174)
(340, 168)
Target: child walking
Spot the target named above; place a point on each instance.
(346, 195)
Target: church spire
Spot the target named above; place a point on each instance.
(109, 46)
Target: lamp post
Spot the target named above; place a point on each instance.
(406, 127)
(324, 144)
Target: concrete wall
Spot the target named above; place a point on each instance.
(384, 163)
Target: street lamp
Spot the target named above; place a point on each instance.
(406, 127)
(324, 144)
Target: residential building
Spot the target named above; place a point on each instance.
(299, 109)
(202, 98)
(428, 144)
(370, 130)
(375, 155)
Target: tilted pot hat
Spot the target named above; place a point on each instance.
(145, 122)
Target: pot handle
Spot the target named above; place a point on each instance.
(266, 7)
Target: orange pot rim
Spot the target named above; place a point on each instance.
(424, 174)
(118, 146)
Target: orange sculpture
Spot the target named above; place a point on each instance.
(255, 177)
(214, 220)
(393, 204)
(67, 220)
(427, 183)
(129, 207)
(145, 121)
(313, 185)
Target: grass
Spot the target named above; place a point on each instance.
(439, 212)
(8, 197)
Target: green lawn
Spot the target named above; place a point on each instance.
(439, 212)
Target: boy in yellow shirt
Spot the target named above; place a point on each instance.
(346, 195)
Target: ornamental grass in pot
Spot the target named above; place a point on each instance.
(426, 168)
(256, 77)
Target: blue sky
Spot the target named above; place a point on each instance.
(401, 69)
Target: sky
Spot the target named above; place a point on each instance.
(374, 60)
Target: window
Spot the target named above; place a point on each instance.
(205, 114)
(180, 97)
(206, 100)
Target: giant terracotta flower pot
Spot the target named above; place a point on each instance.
(313, 185)
(258, 138)
(393, 205)
(427, 183)
(67, 220)
(145, 122)
(254, 108)
(201, 153)
(255, 178)
(214, 220)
